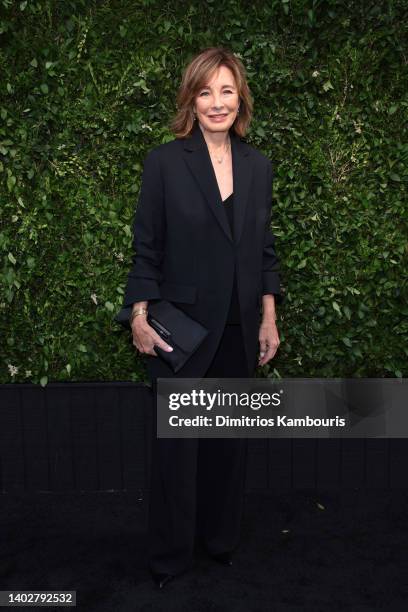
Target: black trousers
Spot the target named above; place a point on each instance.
(197, 485)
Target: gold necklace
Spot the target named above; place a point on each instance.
(220, 158)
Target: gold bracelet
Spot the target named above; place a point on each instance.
(135, 313)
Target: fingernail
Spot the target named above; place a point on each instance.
(169, 348)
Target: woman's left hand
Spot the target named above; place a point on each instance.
(268, 340)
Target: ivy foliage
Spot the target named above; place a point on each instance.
(87, 88)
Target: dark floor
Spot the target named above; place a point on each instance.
(337, 550)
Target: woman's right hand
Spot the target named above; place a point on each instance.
(145, 337)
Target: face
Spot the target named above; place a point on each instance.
(217, 103)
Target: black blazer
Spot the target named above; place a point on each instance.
(183, 248)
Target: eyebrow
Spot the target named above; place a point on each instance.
(208, 87)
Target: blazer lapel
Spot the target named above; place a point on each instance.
(242, 177)
(199, 162)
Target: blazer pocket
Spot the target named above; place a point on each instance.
(174, 292)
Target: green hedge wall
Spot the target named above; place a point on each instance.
(87, 88)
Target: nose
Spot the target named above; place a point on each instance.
(217, 104)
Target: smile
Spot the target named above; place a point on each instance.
(218, 117)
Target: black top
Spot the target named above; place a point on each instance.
(233, 313)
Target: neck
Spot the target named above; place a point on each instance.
(216, 140)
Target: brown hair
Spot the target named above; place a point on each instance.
(196, 76)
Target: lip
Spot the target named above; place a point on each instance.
(218, 117)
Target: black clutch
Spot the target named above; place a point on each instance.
(176, 328)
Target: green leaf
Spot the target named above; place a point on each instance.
(336, 307)
(11, 181)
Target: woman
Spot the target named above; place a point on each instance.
(202, 241)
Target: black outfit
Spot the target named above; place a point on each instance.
(191, 249)
(185, 252)
(198, 484)
(208, 505)
(233, 317)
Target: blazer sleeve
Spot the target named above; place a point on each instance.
(270, 264)
(148, 236)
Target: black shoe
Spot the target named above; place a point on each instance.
(161, 580)
(225, 558)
